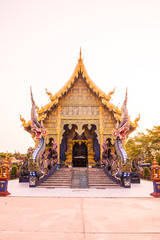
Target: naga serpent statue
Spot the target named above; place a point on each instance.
(39, 130)
(120, 132)
(135, 173)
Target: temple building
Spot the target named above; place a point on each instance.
(80, 117)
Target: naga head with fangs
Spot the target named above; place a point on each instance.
(123, 127)
(36, 127)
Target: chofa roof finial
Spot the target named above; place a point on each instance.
(80, 54)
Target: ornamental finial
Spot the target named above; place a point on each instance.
(80, 55)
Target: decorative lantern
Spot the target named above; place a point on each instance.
(4, 177)
(155, 178)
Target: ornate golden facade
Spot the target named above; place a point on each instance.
(79, 109)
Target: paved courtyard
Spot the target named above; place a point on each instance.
(137, 190)
(72, 214)
(79, 218)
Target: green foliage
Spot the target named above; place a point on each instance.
(31, 165)
(1, 160)
(14, 170)
(146, 171)
(30, 152)
(144, 145)
(18, 165)
(2, 155)
(9, 155)
(158, 159)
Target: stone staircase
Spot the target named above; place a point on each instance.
(60, 179)
(79, 178)
(98, 179)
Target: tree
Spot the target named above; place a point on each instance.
(146, 172)
(14, 171)
(144, 145)
(30, 152)
(155, 138)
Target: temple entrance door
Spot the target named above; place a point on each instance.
(80, 153)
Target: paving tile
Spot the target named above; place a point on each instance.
(113, 236)
(41, 214)
(40, 236)
(121, 215)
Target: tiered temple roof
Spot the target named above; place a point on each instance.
(54, 99)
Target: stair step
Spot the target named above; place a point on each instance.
(51, 184)
(99, 180)
(51, 187)
(111, 184)
(56, 185)
(61, 178)
(61, 174)
(57, 181)
(98, 177)
(81, 178)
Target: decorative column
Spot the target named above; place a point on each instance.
(101, 130)
(68, 161)
(155, 178)
(4, 177)
(91, 153)
(58, 132)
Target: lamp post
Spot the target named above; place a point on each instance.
(155, 169)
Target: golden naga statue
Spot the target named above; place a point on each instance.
(49, 94)
(136, 120)
(22, 120)
(42, 117)
(110, 94)
(37, 108)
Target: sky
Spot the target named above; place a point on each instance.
(40, 42)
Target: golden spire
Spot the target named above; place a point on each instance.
(154, 163)
(5, 161)
(80, 55)
(6, 158)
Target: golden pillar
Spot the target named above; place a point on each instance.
(58, 132)
(101, 130)
(91, 153)
(68, 161)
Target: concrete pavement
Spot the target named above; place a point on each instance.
(79, 214)
(137, 190)
(44, 218)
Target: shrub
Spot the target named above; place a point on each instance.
(14, 171)
(146, 172)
